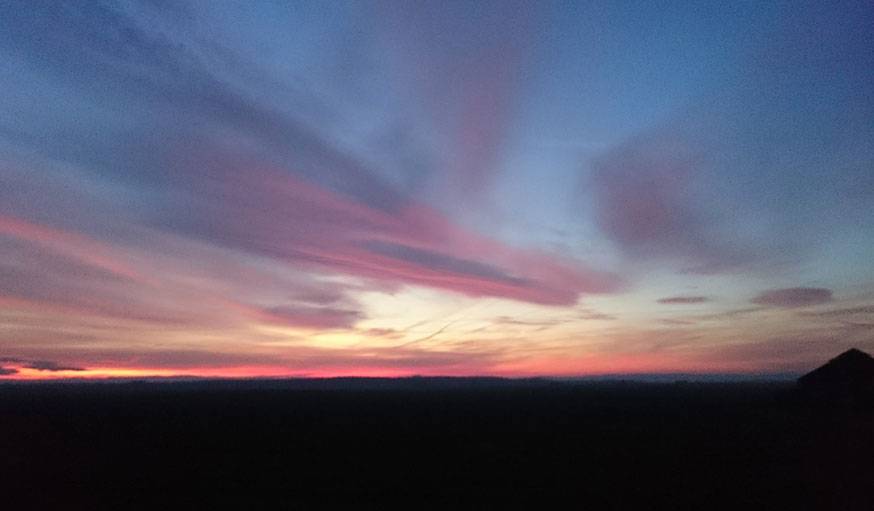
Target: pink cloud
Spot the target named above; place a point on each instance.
(51, 271)
(466, 98)
(647, 196)
(268, 211)
(81, 248)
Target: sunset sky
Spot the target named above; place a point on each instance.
(434, 188)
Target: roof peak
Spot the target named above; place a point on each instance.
(851, 366)
(853, 352)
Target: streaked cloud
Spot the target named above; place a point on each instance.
(39, 365)
(683, 300)
(386, 189)
(845, 312)
(794, 297)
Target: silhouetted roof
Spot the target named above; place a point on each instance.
(850, 372)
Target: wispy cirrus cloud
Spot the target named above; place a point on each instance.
(237, 186)
(466, 97)
(270, 186)
(67, 274)
(413, 244)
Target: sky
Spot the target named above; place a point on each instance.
(248, 189)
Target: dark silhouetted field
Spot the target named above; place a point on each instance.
(606, 444)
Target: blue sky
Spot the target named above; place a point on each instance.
(511, 188)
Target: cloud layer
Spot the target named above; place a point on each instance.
(794, 297)
(683, 300)
(240, 189)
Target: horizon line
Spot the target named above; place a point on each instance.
(677, 377)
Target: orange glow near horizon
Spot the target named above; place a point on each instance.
(243, 372)
(591, 367)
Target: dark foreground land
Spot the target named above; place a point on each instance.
(606, 445)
